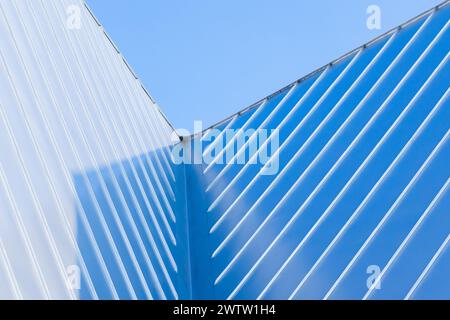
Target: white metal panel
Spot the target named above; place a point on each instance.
(85, 167)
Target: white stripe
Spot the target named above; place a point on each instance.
(251, 139)
(254, 135)
(356, 214)
(142, 246)
(116, 218)
(322, 98)
(286, 168)
(205, 134)
(121, 265)
(169, 280)
(313, 109)
(253, 181)
(159, 136)
(219, 137)
(110, 203)
(356, 174)
(408, 238)
(37, 204)
(83, 216)
(153, 171)
(155, 136)
(292, 135)
(327, 176)
(140, 164)
(24, 234)
(392, 209)
(238, 133)
(141, 216)
(144, 224)
(427, 269)
(153, 145)
(146, 141)
(9, 272)
(56, 197)
(357, 139)
(367, 126)
(376, 186)
(132, 165)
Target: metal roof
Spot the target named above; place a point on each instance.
(386, 34)
(362, 185)
(87, 188)
(93, 206)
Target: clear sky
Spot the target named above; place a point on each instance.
(207, 59)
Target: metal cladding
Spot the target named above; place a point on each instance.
(351, 201)
(87, 187)
(361, 191)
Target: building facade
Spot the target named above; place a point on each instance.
(335, 187)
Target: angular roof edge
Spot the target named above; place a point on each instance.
(309, 75)
(158, 108)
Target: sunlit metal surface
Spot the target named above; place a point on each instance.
(361, 193)
(87, 187)
(356, 205)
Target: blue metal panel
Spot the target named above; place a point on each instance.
(363, 147)
(355, 188)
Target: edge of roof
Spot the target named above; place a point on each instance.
(320, 69)
(155, 104)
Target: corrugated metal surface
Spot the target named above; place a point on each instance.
(86, 181)
(87, 186)
(362, 185)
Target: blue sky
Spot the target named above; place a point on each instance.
(207, 59)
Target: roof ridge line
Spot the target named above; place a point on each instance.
(320, 69)
(131, 70)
